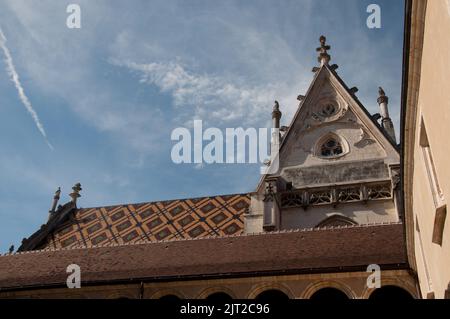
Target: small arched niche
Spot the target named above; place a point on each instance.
(336, 221)
(331, 146)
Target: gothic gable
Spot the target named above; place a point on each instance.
(334, 158)
(332, 129)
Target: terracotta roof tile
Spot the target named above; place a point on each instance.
(152, 221)
(297, 251)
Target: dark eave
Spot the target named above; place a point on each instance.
(60, 216)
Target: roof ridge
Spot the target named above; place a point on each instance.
(145, 241)
(165, 200)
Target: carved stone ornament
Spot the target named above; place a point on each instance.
(270, 191)
(336, 173)
(335, 195)
(364, 139)
(395, 175)
(327, 109)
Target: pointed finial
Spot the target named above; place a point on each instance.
(323, 57)
(322, 40)
(54, 203)
(386, 122)
(382, 98)
(276, 107)
(76, 192)
(276, 115)
(55, 200)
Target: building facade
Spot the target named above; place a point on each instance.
(337, 165)
(425, 118)
(327, 213)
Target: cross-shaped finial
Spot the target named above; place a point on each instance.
(323, 57)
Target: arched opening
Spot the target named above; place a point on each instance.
(272, 295)
(390, 293)
(336, 220)
(219, 297)
(329, 294)
(331, 146)
(328, 110)
(169, 298)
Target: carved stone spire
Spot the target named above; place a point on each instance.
(323, 57)
(386, 121)
(382, 98)
(276, 115)
(55, 202)
(76, 192)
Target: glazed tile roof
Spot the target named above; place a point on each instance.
(350, 248)
(152, 222)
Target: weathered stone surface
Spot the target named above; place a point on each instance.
(336, 173)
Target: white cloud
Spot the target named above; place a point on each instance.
(20, 91)
(212, 98)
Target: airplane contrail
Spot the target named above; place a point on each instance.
(22, 96)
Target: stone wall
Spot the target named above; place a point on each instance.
(353, 284)
(426, 152)
(336, 173)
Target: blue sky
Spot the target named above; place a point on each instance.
(109, 94)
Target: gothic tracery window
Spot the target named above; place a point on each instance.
(328, 110)
(331, 148)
